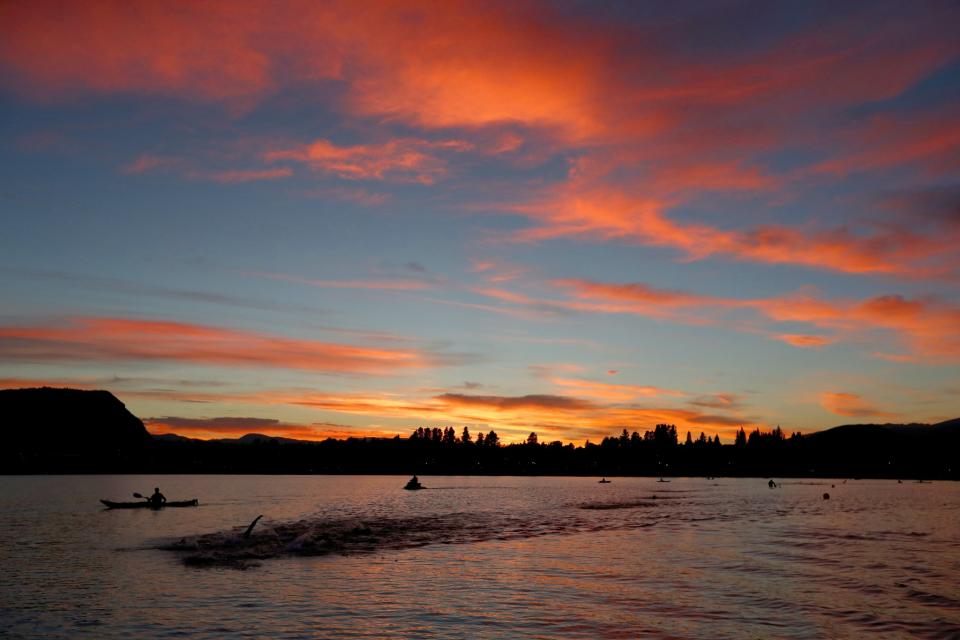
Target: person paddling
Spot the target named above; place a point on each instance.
(157, 499)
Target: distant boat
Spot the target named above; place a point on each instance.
(662, 480)
(604, 481)
(146, 504)
(413, 484)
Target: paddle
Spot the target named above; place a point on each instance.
(137, 495)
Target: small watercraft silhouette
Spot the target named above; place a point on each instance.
(146, 504)
(604, 481)
(413, 484)
(662, 480)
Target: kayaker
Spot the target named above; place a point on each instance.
(157, 498)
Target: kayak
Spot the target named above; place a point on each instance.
(144, 504)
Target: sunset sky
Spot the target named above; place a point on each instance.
(314, 219)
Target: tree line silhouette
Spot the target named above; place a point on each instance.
(860, 451)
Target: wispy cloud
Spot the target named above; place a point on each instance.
(852, 405)
(602, 212)
(148, 162)
(403, 160)
(924, 325)
(611, 392)
(120, 339)
(232, 176)
(383, 284)
(804, 341)
(146, 289)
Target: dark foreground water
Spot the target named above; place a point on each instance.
(508, 557)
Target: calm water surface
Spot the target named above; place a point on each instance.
(355, 556)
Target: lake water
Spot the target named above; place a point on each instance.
(505, 557)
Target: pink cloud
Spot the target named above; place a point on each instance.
(852, 405)
(233, 176)
(925, 326)
(804, 341)
(120, 339)
(600, 212)
(404, 160)
(147, 162)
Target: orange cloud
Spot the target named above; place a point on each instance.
(725, 401)
(548, 402)
(205, 51)
(110, 339)
(803, 340)
(631, 292)
(148, 162)
(496, 271)
(930, 138)
(246, 175)
(850, 404)
(624, 106)
(404, 160)
(232, 427)
(610, 213)
(458, 64)
(612, 392)
(925, 325)
(433, 64)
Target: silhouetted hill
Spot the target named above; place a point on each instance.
(908, 450)
(68, 419)
(251, 438)
(49, 428)
(948, 425)
(171, 437)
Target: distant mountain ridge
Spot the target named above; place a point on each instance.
(252, 438)
(249, 438)
(893, 426)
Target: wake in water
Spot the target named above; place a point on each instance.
(241, 548)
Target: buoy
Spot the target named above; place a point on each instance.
(826, 496)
